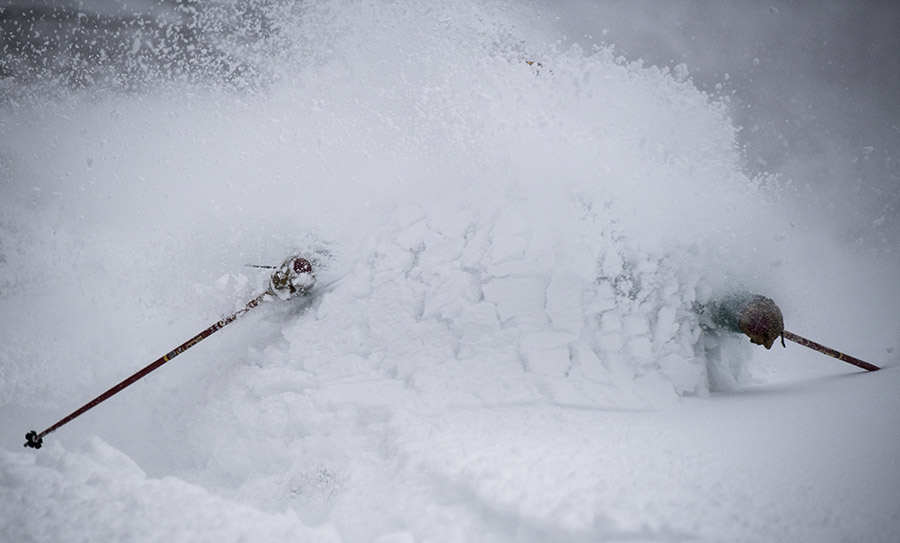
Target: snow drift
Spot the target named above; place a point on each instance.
(515, 237)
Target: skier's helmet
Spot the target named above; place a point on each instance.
(762, 320)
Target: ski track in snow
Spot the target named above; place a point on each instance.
(508, 346)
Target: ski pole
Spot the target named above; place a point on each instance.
(295, 276)
(35, 440)
(829, 351)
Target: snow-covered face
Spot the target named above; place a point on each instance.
(294, 277)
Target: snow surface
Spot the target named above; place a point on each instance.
(505, 345)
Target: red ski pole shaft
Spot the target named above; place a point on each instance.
(829, 351)
(34, 439)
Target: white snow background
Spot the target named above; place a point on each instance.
(505, 345)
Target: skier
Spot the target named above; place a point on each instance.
(756, 316)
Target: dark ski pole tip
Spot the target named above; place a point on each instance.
(33, 440)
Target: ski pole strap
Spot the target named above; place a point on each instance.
(829, 351)
(35, 440)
